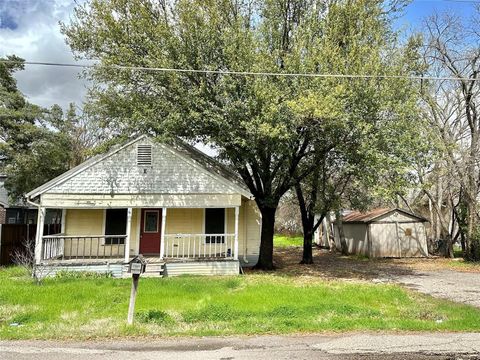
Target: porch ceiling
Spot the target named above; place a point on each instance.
(90, 201)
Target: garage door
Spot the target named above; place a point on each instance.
(412, 239)
(384, 240)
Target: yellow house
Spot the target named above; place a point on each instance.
(182, 210)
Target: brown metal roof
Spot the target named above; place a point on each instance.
(366, 217)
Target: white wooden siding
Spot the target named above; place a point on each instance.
(202, 268)
(356, 237)
(384, 240)
(82, 222)
(251, 248)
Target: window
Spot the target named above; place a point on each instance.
(115, 224)
(215, 224)
(144, 155)
(150, 222)
(408, 232)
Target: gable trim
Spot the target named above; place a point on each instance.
(415, 218)
(388, 213)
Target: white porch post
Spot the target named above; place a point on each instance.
(39, 235)
(235, 253)
(162, 232)
(127, 239)
(62, 221)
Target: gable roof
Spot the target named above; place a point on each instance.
(188, 153)
(209, 163)
(372, 215)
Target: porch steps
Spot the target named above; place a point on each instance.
(154, 269)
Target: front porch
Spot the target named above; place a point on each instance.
(152, 232)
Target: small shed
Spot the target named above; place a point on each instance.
(384, 233)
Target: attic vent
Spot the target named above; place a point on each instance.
(144, 155)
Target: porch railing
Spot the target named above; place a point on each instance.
(63, 247)
(199, 246)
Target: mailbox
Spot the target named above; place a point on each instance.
(137, 265)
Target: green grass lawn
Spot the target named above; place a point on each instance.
(286, 241)
(67, 308)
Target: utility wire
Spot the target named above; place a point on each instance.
(245, 73)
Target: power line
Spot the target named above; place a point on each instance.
(453, 1)
(245, 73)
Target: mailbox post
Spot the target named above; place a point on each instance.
(136, 267)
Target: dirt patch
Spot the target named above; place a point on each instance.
(332, 265)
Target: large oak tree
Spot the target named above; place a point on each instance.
(252, 120)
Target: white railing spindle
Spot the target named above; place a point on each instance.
(196, 246)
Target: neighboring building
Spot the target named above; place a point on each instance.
(384, 233)
(15, 212)
(184, 211)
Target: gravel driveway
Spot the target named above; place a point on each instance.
(458, 286)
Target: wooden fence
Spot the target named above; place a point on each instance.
(14, 236)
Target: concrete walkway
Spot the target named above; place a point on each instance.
(345, 346)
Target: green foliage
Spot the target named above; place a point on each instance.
(18, 127)
(36, 144)
(369, 131)
(47, 156)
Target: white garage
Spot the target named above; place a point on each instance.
(384, 233)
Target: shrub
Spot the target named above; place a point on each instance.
(158, 317)
(66, 274)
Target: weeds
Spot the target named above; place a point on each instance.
(83, 305)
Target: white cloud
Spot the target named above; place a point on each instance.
(31, 30)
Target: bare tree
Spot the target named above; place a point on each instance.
(25, 258)
(453, 51)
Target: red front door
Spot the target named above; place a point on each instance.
(150, 230)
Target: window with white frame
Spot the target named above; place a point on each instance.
(215, 226)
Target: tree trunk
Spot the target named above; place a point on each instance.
(307, 257)
(265, 259)
(449, 247)
(308, 223)
(341, 233)
(472, 244)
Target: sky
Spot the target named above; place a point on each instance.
(30, 29)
